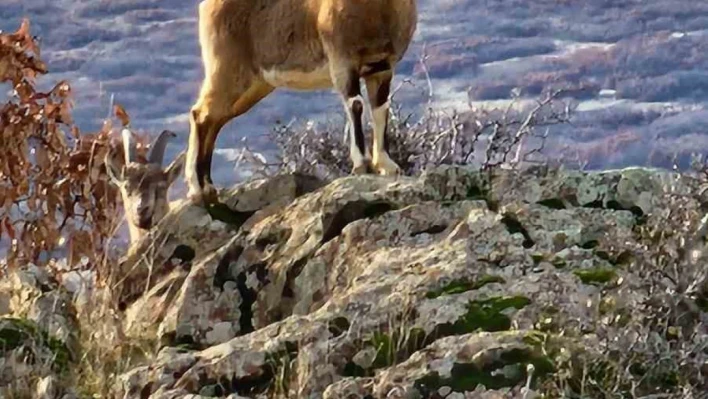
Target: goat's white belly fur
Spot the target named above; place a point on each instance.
(318, 78)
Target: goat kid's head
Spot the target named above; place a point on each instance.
(143, 183)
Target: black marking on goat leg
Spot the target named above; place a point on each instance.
(357, 112)
(207, 169)
(353, 87)
(202, 167)
(383, 91)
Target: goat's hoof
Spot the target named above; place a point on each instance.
(360, 170)
(363, 169)
(207, 195)
(195, 197)
(386, 167)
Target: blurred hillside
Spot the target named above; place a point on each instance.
(638, 70)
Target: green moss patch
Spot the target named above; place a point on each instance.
(538, 257)
(475, 193)
(463, 285)
(221, 212)
(486, 315)
(596, 275)
(506, 370)
(26, 335)
(559, 263)
(394, 348)
(385, 350)
(390, 349)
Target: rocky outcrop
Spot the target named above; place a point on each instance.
(452, 284)
(38, 335)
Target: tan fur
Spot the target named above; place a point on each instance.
(251, 47)
(143, 186)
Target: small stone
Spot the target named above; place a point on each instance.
(46, 388)
(221, 332)
(365, 357)
(444, 391)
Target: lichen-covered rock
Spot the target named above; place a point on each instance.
(32, 294)
(38, 335)
(454, 284)
(255, 278)
(29, 356)
(460, 364)
(149, 275)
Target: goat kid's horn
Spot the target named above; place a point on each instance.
(128, 146)
(158, 148)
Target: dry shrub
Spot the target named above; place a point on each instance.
(480, 138)
(57, 201)
(658, 348)
(57, 207)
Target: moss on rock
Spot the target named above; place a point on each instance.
(24, 334)
(487, 315)
(463, 285)
(596, 275)
(505, 370)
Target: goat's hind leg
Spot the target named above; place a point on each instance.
(346, 82)
(378, 88)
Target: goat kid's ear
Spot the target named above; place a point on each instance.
(114, 169)
(176, 167)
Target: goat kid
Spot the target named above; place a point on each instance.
(143, 184)
(251, 47)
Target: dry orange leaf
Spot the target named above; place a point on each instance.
(121, 114)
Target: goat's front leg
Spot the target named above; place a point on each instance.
(208, 116)
(203, 130)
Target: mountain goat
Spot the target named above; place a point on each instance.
(251, 47)
(143, 183)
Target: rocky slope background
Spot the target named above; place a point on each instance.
(487, 271)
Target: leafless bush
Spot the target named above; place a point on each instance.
(660, 350)
(482, 138)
